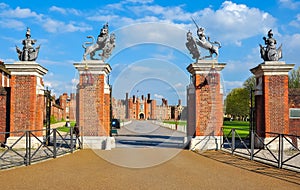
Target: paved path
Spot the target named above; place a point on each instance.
(147, 134)
(87, 169)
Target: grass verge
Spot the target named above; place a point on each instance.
(66, 129)
(242, 128)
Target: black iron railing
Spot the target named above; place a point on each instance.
(26, 147)
(281, 150)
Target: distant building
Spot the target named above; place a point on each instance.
(145, 108)
(64, 108)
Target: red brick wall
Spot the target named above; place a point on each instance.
(94, 108)
(3, 112)
(26, 106)
(72, 107)
(63, 104)
(294, 102)
(56, 112)
(276, 103)
(23, 101)
(205, 108)
(153, 108)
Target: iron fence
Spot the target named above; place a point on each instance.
(281, 150)
(26, 147)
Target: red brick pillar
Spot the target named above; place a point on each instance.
(271, 97)
(93, 112)
(4, 123)
(27, 96)
(205, 104)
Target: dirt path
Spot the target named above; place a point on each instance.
(85, 169)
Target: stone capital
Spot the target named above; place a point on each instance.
(204, 66)
(93, 66)
(272, 68)
(26, 68)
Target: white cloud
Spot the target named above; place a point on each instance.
(55, 26)
(290, 4)
(14, 18)
(153, 32)
(20, 13)
(58, 86)
(12, 23)
(103, 18)
(158, 96)
(296, 23)
(139, 69)
(229, 85)
(178, 85)
(235, 22)
(65, 11)
(139, 1)
(290, 47)
(231, 23)
(58, 9)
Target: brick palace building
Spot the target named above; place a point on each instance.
(142, 108)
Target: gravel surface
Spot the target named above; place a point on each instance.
(88, 169)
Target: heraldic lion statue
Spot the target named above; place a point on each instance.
(104, 42)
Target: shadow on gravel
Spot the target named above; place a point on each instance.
(159, 141)
(257, 167)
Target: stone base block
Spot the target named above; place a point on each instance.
(273, 143)
(202, 143)
(101, 142)
(20, 143)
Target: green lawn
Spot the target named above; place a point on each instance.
(174, 122)
(242, 127)
(64, 128)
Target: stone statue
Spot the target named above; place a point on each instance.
(28, 53)
(192, 46)
(105, 42)
(269, 52)
(202, 41)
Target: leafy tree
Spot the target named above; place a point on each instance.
(237, 103)
(294, 78)
(250, 83)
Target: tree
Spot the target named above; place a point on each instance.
(294, 78)
(237, 103)
(250, 83)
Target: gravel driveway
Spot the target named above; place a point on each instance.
(88, 169)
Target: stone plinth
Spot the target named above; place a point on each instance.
(205, 104)
(93, 98)
(27, 96)
(271, 97)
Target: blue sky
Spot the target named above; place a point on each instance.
(150, 54)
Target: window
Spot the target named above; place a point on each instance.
(295, 113)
